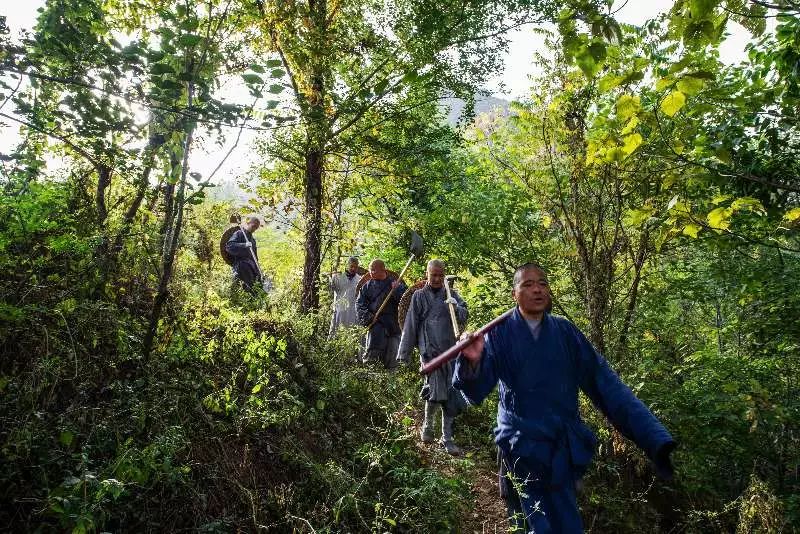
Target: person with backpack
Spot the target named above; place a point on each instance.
(241, 246)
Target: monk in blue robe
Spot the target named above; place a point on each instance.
(540, 361)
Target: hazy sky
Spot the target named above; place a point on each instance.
(518, 67)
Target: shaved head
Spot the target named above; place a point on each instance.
(435, 272)
(377, 269)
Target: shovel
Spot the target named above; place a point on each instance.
(416, 252)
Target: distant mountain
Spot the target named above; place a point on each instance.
(454, 107)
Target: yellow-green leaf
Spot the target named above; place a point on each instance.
(632, 142)
(66, 437)
(748, 203)
(615, 154)
(635, 217)
(256, 388)
(663, 83)
(690, 85)
(673, 103)
(692, 230)
(609, 81)
(792, 215)
(720, 218)
(627, 106)
(632, 124)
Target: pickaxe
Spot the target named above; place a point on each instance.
(416, 252)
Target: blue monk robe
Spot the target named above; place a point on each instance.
(540, 435)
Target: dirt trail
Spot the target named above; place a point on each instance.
(486, 515)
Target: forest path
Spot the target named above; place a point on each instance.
(487, 512)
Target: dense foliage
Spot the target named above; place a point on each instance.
(141, 391)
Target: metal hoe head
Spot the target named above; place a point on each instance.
(416, 245)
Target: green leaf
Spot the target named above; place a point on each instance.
(673, 103)
(66, 438)
(792, 215)
(272, 63)
(627, 106)
(632, 142)
(381, 86)
(720, 218)
(189, 39)
(598, 51)
(161, 68)
(275, 88)
(690, 85)
(256, 388)
(700, 9)
(608, 82)
(252, 79)
(587, 62)
(411, 77)
(692, 230)
(277, 73)
(257, 68)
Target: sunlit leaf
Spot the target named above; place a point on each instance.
(692, 230)
(627, 105)
(690, 85)
(720, 218)
(749, 204)
(673, 103)
(631, 143)
(792, 215)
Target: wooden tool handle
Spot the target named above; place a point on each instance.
(389, 294)
(455, 350)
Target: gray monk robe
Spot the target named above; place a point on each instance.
(343, 286)
(429, 327)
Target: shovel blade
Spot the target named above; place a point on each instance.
(416, 245)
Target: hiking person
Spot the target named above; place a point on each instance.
(428, 327)
(383, 337)
(343, 285)
(241, 246)
(540, 362)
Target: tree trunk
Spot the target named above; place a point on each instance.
(172, 235)
(313, 238)
(315, 159)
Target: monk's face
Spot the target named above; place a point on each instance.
(532, 292)
(352, 267)
(377, 270)
(252, 225)
(435, 277)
